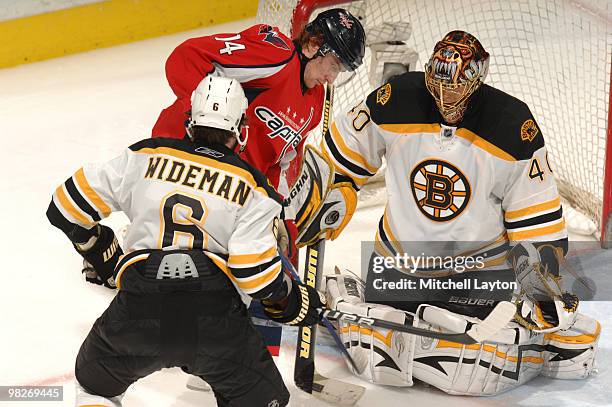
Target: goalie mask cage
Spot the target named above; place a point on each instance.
(555, 55)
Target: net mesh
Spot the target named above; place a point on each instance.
(555, 55)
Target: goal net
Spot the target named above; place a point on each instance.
(555, 55)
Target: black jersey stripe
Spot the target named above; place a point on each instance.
(495, 251)
(338, 178)
(537, 220)
(80, 201)
(245, 272)
(352, 167)
(384, 239)
(76, 233)
(272, 289)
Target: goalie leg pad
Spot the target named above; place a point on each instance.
(382, 356)
(513, 357)
(570, 353)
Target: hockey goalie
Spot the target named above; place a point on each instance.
(467, 177)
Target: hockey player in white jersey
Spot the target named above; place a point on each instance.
(468, 176)
(203, 228)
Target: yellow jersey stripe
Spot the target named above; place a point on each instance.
(93, 196)
(478, 141)
(220, 262)
(537, 232)
(353, 155)
(261, 281)
(387, 228)
(403, 128)
(530, 210)
(252, 259)
(357, 179)
(380, 247)
(70, 208)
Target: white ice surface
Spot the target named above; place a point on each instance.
(59, 114)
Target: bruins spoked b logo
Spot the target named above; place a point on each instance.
(440, 190)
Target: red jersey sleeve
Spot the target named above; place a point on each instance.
(256, 52)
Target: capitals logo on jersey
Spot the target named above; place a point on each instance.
(271, 36)
(281, 128)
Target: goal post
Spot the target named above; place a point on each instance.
(606, 218)
(555, 55)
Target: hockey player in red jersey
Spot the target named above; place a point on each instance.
(202, 230)
(283, 81)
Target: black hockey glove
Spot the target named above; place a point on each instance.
(102, 257)
(92, 276)
(302, 307)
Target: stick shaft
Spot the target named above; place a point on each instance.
(500, 316)
(304, 368)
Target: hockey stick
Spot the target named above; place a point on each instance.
(332, 331)
(474, 333)
(304, 373)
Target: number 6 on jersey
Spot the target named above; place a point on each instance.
(189, 224)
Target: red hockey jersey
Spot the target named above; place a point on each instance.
(267, 64)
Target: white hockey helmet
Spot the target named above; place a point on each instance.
(219, 103)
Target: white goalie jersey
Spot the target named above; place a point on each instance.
(183, 196)
(487, 180)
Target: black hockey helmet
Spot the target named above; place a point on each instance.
(343, 35)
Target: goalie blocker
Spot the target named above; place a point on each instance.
(320, 205)
(512, 357)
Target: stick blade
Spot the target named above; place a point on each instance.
(496, 320)
(304, 375)
(336, 391)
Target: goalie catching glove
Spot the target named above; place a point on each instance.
(543, 306)
(303, 306)
(321, 207)
(101, 254)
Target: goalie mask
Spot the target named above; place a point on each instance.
(219, 103)
(456, 69)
